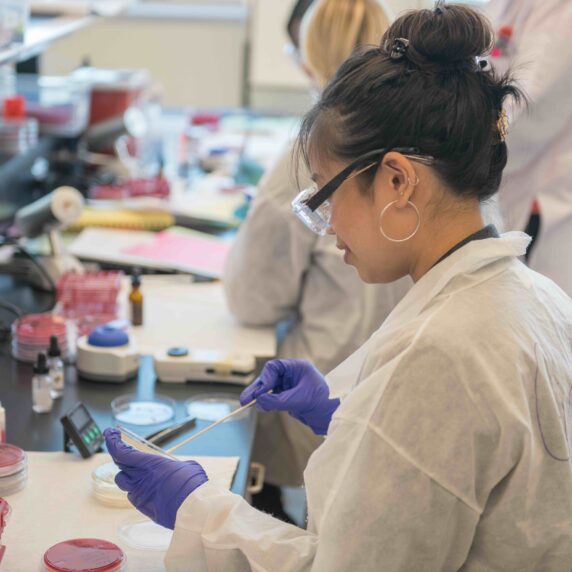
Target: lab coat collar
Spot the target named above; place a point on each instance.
(470, 258)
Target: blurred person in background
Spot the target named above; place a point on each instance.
(533, 37)
(280, 273)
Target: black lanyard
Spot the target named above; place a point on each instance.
(488, 231)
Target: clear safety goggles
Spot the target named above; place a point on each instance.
(312, 205)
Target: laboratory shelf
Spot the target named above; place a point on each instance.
(41, 32)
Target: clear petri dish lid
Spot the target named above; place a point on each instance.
(143, 534)
(84, 555)
(12, 459)
(131, 410)
(213, 406)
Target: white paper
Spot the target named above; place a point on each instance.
(57, 504)
(195, 316)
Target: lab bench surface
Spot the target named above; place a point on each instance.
(43, 432)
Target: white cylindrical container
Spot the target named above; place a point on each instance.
(56, 368)
(41, 386)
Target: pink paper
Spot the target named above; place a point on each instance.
(193, 253)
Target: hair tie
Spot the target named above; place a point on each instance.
(399, 48)
(502, 125)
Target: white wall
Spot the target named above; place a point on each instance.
(198, 63)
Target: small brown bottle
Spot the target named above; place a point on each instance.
(136, 300)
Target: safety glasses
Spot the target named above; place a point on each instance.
(312, 205)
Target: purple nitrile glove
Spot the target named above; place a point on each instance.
(297, 387)
(156, 486)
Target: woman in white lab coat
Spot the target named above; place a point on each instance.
(279, 272)
(448, 433)
(534, 37)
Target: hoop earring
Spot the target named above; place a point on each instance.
(399, 239)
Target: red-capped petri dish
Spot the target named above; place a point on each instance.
(13, 469)
(39, 326)
(84, 555)
(12, 460)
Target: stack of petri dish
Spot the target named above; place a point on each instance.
(13, 469)
(85, 555)
(90, 298)
(17, 136)
(31, 335)
(104, 488)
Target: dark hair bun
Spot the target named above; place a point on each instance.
(449, 35)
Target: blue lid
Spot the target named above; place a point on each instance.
(177, 352)
(108, 337)
(217, 151)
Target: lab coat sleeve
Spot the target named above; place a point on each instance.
(388, 514)
(411, 523)
(264, 273)
(218, 530)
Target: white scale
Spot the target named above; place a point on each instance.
(180, 365)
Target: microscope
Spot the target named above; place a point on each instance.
(47, 215)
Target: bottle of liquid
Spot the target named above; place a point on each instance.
(41, 386)
(2, 424)
(56, 368)
(136, 300)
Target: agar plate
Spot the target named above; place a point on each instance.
(85, 555)
(213, 406)
(104, 488)
(144, 534)
(131, 410)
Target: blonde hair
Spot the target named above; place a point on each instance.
(332, 29)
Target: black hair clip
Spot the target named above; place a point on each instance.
(481, 64)
(399, 48)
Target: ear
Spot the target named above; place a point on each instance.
(401, 177)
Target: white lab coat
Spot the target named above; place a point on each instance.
(279, 271)
(540, 141)
(450, 449)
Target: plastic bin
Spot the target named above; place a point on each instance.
(112, 91)
(59, 103)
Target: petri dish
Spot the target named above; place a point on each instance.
(104, 488)
(213, 406)
(13, 483)
(143, 534)
(132, 410)
(12, 459)
(84, 555)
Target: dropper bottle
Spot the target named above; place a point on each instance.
(56, 368)
(136, 300)
(41, 386)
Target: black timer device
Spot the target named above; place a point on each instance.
(81, 430)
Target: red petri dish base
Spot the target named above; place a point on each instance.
(84, 555)
(12, 459)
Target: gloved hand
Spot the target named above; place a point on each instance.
(297, 387)
(156, 486)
